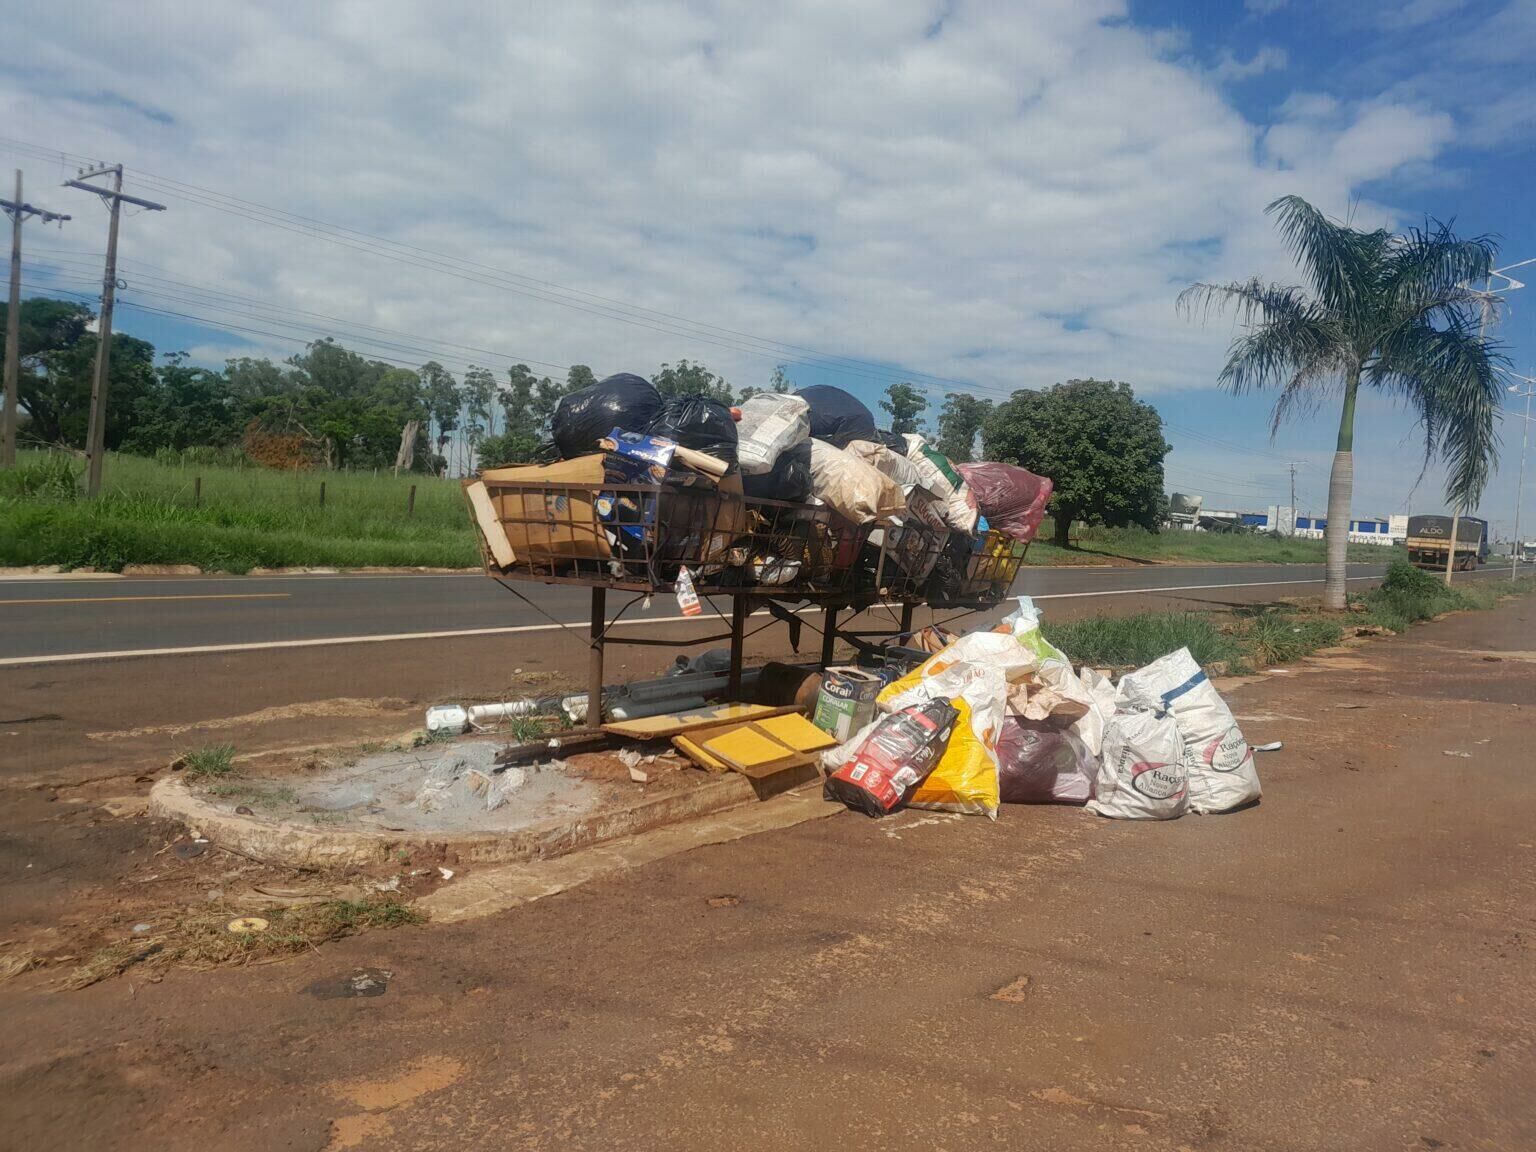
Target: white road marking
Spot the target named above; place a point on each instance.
(131, 599)
(328, 641)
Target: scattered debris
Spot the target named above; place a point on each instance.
(1272, 746)
(726, 901)
(445, 873)
(363, 983)
(141, 928)
(1458, 753)
(1014, 992)
(241, 925)
(390, 885)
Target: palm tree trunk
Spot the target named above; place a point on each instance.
(1341, 485)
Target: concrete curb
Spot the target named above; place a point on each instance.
(487, 891)
(299, 846)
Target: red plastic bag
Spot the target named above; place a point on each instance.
(894, 759)
(1043, 765)
(1012, 499)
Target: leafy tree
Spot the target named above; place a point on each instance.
(515, 446)
(579, 376)
(46, 327)
(688, 379)
(186, 407)
(1394, 313)
(960, 420)
(1101, 447)
(480, 404)
(57, 399)
(905, 404)
(441, 395)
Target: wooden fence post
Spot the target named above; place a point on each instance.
(197, 492)
(410, 505)
(322, 493)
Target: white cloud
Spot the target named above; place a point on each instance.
(1007, 195)
(1267, 59)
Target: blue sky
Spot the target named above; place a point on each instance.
(980, 195)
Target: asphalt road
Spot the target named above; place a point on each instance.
(48, 619)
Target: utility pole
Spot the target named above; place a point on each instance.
(1488, 300)
(114, 198)
(1293, 497)
(18, 210)
(1525, 439)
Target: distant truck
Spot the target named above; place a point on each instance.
(1429, 538)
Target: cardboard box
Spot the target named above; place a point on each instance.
(550, 524)
(847, 701)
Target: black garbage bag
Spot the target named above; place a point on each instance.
(789, 479)
(698, 423)
(895, 441)
(585, 416)
(837, 416)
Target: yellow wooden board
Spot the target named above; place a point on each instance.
(689, 748)
(796, 731)
(672, 723)
(746, 748)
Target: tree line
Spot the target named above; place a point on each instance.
(332, 407)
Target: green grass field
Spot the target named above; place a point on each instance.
(1106, 545)
(247, 518)
(251, 517)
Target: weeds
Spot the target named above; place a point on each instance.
(1122, 641)
(210, 761)
(201, 938)
(1274, 637)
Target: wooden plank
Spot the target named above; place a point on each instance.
(672, 723)
(797, 732)
(490, 525)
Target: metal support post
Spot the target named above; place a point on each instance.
(596, 627)
(740, 608)
(828, 635)
(906, 617)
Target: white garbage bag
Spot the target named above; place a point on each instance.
(1090, 729)
(898, 468)
(852, 488)
(1217, 758)
(940, 478)
(1141, 772)
(771, 423)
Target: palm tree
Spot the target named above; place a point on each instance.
(1394, 313)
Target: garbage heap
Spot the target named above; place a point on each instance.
(892, 509)
(1002, 716)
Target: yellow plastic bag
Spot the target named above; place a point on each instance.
(966, 776)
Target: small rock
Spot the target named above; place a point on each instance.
(1013, 993)
(365, 982)
(244, 810)
(142, 928)
(188, 849)
(726, 901)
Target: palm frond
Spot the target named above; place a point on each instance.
(1448, 374)
(1339, 260)
(1433, 268)
(1290, 339)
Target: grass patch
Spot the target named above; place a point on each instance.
(1096, 545)
(1256, 637)
(250, 792)
(201, 938)
(209, 761)
(149, 512)
(1123, 641)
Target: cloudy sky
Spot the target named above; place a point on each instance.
(974, 196)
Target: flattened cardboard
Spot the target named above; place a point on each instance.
(797, 732)
(489, 523)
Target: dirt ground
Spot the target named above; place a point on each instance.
(1347, 966)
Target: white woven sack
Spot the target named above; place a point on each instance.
(1222, 775)
(1141, 772)
(771, 424)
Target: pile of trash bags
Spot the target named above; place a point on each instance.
(1028, 728)
(928, 519)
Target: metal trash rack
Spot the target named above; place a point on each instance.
(762, 553)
